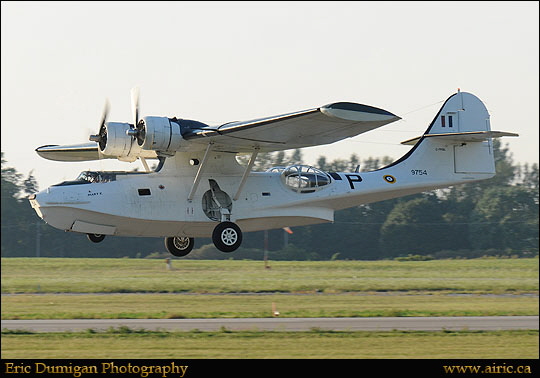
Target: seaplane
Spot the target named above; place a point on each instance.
(199, 189)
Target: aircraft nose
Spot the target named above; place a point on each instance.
(35, 200)
(51, 206)
(41, 200)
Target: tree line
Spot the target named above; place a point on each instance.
(495, 217)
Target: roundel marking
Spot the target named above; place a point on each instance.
(389, 179)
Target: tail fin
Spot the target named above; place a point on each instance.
(457, 145)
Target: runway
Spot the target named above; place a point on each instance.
(458, 323)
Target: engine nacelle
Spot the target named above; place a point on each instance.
(159, 134)
(116, 142)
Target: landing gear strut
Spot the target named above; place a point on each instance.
(227, 236)
(179, 245)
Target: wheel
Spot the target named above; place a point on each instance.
(179, 245)
(227, 237)
(96, 238)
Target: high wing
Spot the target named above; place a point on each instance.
(83, 152)
(312, 127)
(73, 152)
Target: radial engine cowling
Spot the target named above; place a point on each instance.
(159, 134)
(116, 142)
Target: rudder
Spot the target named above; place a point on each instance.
(462, 112)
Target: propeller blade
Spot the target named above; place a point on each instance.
(105, 113)
(135, 105)
(137, 131)
(97, 137)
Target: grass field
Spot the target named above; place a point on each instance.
(139, 288)
(495, 276)
(315, 344)
(180, 306)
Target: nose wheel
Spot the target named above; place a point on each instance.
(227, 237)
(179, 245)
(96, 238)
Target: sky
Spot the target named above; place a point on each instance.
(217, 62)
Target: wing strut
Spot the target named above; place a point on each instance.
(200, 171)
(145, 164)
(246, 173)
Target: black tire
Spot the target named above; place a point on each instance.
(96, 238)
(179, 246)
(227, 237)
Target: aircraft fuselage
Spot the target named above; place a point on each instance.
(157, 204)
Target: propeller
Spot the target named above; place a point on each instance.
(101, 136)
(137, 131)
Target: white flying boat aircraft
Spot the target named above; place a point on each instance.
(199, 189)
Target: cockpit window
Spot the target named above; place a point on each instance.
(95, 177)
(304, 178)
(90, 177)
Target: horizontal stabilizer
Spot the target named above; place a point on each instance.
(468, 136)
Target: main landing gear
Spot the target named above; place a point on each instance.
(226, 236)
